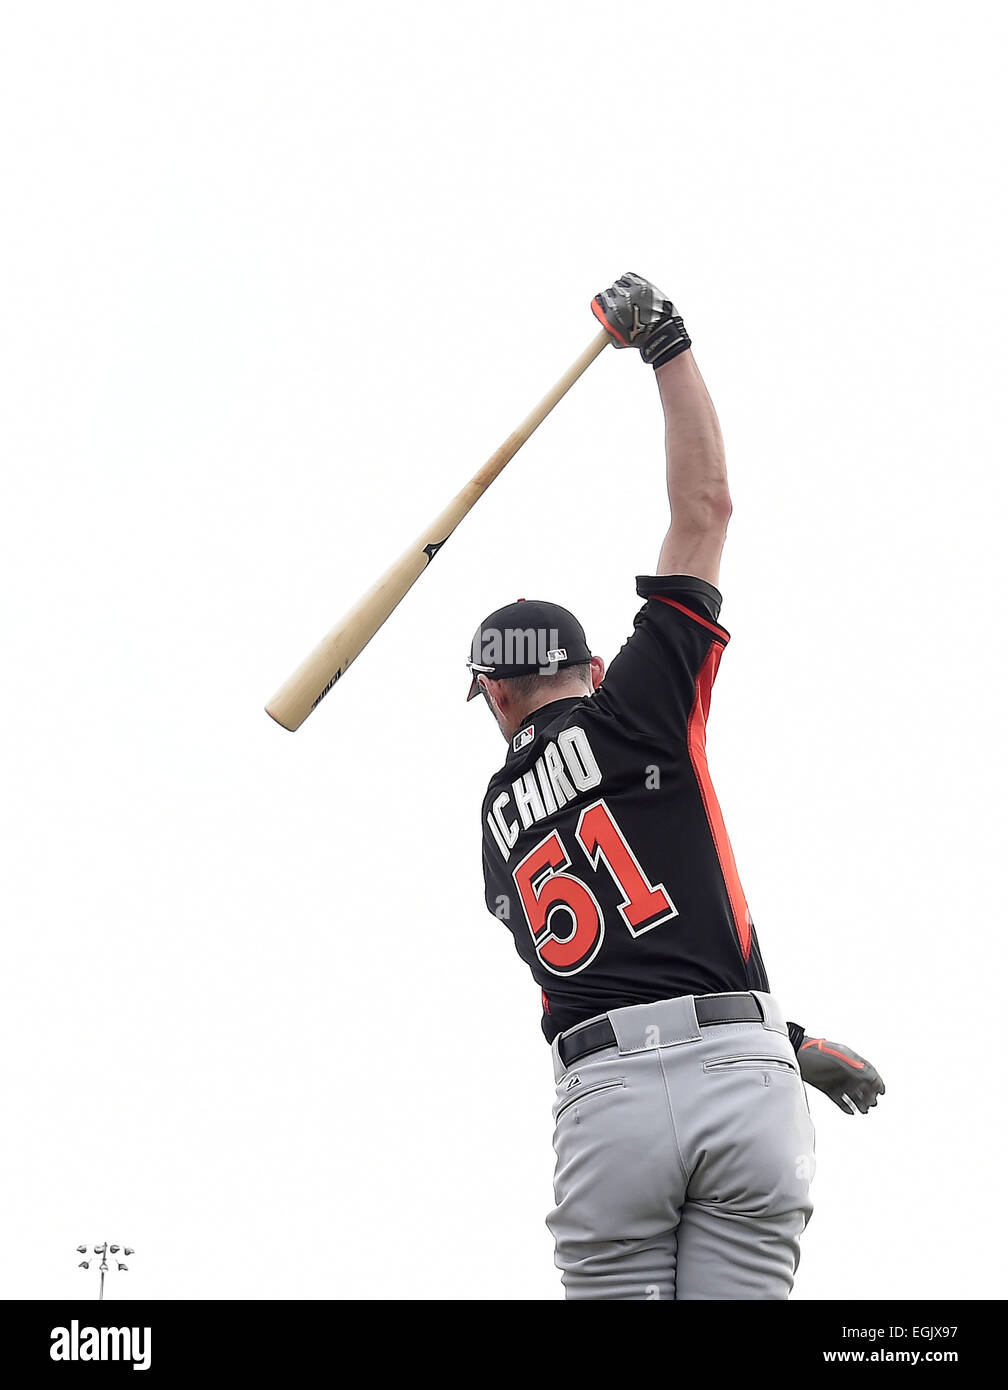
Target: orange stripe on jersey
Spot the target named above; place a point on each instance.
(698, 757)
(711, 627)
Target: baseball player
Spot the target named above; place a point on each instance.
(684, 1145)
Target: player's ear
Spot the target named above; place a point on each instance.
(494, 692)
(597, 671)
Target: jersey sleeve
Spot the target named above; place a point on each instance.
(658, 685)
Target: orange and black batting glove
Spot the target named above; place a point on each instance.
(838, 1071)
(636, 314)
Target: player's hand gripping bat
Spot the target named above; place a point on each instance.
(320, 670)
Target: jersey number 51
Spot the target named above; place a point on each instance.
(562, 912)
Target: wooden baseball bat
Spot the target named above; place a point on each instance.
(320, 671)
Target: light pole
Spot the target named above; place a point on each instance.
(104, 1251)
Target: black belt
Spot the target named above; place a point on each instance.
(710, 1008)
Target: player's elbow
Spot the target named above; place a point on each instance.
(705, 510)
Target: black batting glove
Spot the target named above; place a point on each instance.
(636, 314)
(841, 1074)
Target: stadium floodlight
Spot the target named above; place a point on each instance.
(104, 1250)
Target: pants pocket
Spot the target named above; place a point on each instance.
(583, 1093)
(750, 1062)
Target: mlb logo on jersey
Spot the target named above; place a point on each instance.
(524, 738)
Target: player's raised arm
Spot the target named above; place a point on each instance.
(637, 314)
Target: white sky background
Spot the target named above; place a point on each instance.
(278, 278)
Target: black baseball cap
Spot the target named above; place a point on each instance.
(526, 638)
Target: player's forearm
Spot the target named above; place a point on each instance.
(697, 478)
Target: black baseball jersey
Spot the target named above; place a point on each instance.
(604, 848)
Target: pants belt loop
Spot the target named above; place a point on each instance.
(642, 1027)
(773, 1017)
(558, 1066)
